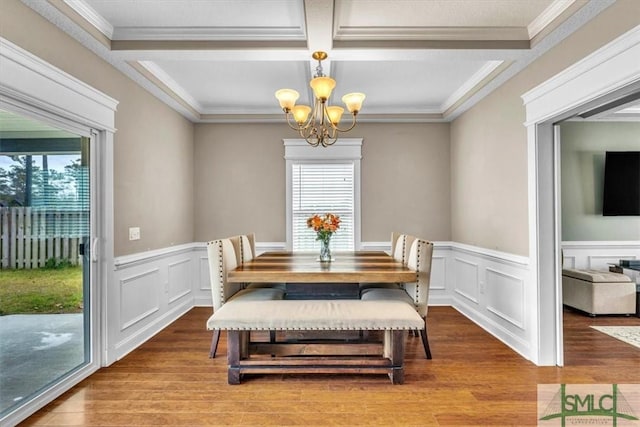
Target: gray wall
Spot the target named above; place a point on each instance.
(489, 165)
(180, 186)
(240, 180)
(153, 145)
(583, 147)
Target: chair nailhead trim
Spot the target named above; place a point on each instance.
(221, 270)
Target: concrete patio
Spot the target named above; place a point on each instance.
(35, 350)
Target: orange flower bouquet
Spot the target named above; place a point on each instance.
(324, 226)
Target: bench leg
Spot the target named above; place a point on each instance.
(394, 345)
(233, 356)
(244, 340)
(214, 344)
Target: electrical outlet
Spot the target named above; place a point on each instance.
(134, 233)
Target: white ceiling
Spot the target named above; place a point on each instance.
(416, 60)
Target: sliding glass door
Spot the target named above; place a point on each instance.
(45, 274)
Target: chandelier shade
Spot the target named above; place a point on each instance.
(319, 125)
(301, 113)
(287, 98)
(322, 87)
(353, 101)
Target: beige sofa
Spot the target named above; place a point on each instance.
(598, 292)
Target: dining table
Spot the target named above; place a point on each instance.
(305, 267)
(336, 343)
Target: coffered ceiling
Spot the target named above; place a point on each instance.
(222, 60)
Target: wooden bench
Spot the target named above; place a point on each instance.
(239, 318)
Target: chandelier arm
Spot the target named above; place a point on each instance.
(329, 141)
(296, 126)
(330, 136)
(312, 137)
(353, 124)
(319, 128)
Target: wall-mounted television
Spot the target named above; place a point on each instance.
(621, 194)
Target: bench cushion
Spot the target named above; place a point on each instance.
(310, 315)
(596, 276)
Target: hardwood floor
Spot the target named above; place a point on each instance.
(472, 380)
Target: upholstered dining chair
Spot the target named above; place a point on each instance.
(415, 293)
(400, 245)
(222, 258)
(245, 246)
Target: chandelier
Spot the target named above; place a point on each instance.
(319, 126)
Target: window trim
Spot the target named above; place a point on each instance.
(345, 149)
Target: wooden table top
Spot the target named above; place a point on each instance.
(304, 267)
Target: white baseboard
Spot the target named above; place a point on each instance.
(489, 287)
(150, 290)
(150, 329)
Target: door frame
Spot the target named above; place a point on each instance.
(36, 89)
(612, 72)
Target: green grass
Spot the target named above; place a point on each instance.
(41, 291)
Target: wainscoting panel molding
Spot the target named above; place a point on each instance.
(144, 289)
(153, 289)
(438, 273)
(180, 279)
(466, 279)
(159, 286)
(599, 255)
(505, 296)
(202, 296)
(489, 288)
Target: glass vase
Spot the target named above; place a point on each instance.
(325, 251)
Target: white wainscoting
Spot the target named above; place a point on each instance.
(150, 290)
(489, 287)
(201, 286)
(154, 288)
(439, 290)
(599, 255)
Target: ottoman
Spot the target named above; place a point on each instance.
(598, 292)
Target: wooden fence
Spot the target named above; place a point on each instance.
(31, 236)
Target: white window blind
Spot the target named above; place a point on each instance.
(320, 188)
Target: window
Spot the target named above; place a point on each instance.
(321, 188)
(322, 180)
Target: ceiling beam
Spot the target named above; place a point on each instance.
(319, 22)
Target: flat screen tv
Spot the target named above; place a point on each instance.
(621, 194)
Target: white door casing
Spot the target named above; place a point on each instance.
(609, 73)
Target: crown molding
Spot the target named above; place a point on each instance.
(344, 33)
(362, 118)
(91, 16)
(210, 33)
(170, 83)
(484, 71)
(553, 11)
(240, 118)
(82, 8)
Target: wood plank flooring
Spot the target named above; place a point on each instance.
(472, 380)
